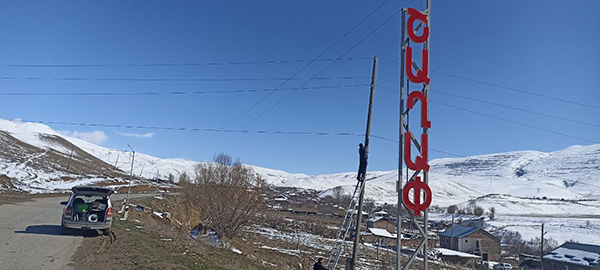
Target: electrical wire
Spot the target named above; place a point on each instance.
(322, 70)
(514, 122)
(500, 87)
(504, 119)
(279, 132)
(176, 64)
(502, 105)
(175, 79)
(195, 129)
(170, 92)
(294, 75)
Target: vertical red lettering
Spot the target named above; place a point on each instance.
(414, 15)
(421, 161)
(423, 74)
(425, 123)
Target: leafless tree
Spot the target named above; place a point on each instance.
(227, 194)
(535, 244)
(184, 179)
(492, 213)
(338, 193)
(471, 206)
(451, 209)
(369, 205)
(478, 211)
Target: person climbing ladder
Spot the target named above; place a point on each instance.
(362, 165)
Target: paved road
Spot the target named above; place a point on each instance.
(30, 235)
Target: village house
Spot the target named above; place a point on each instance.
(573, 256)
(471, 240)
(382, 223)
(379, 237)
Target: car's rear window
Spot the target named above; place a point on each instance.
(90, 198)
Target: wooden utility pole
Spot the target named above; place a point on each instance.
(69, 162)
(542, 248)
(362, 190)
(117, 161)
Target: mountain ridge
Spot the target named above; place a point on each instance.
(571, 173)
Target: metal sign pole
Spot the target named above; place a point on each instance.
(399, 184)
(424, 151)
(419, 184)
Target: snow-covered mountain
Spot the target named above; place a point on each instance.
(34, 157)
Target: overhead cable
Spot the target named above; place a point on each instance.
(501, 87)
(176, 64)
(501, 105)
(169, 92)
(175, 79)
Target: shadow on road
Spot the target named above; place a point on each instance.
(56, 230)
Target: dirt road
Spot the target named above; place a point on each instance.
(30, 235)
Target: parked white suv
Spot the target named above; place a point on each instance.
(502, 266)
(89, 208)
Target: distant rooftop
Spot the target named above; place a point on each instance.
(382, 233)
(459, 231)
(576, 253)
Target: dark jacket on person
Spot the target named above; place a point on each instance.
(362, 153)
(319, 266)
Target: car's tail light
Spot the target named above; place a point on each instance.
(68, 211)
(109, 213)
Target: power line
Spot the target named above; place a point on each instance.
(176, 64)
(503, 119)
(355, 45)
(294, 75)
(176, 79)
(195, 129)
(290, 94)
(517, 109)
(514, 122)
(170, 92)
(517, 90)
(432, 149)
(279, 132)
(503, 106)
(308, 64)
(501, 87)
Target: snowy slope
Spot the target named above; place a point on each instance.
(570, 174)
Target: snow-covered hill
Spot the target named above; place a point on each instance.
(569, 174)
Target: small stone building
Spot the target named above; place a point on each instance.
(471, 240)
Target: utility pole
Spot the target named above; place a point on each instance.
(362, 190)
(117, 161)
(452, 231)
(69, 162)
(142, 172)
(542, 247)
(130, 179)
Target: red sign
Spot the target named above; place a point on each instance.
(422, 76)
(418, 186)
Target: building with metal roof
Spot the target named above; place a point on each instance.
(573, 256)
(471, 240)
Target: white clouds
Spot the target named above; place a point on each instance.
(137, 135)
(96, 136)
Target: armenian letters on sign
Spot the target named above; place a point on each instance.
(422, 76)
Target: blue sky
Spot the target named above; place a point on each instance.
(547, 50)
